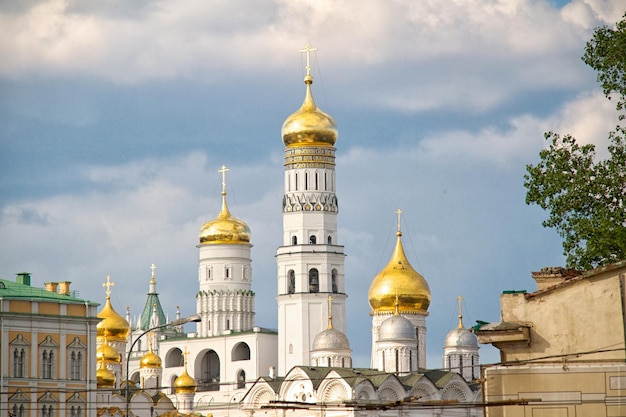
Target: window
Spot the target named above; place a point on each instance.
(76, 359)
(47, 358)
(18, 403)
(291, 282)
(227, 272)
(241, 379)
(330, 240)
(47, 354)
(314, 282)
(76, 411)
(241, 352)
(294, 240)
(316, 182)
(334, 281)
(306, 180)
(47, 411)
(18, 411)
(19, 348)
(312, 240)
(19, 359)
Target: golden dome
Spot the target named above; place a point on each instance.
(108, 354)
(185, 384)
(105, 378)
(399, 279)
(309, 126)
(114, 326)
(224, 229)
(150, 360)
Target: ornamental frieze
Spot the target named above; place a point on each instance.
(310, 202)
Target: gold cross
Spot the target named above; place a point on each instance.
(308, 50)
(223, 171)
(108, 286)
(399, 213)
(460, 299)
(153, 267)
(330, 312)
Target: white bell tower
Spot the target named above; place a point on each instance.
(310, 260)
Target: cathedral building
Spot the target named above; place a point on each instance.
(230, 366)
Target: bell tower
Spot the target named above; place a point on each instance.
(310, 260)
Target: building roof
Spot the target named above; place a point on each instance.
(14, 290)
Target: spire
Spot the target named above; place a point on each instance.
(460, 299)
(152, 281)
(330, 312)
(152, 313)
(224, 214)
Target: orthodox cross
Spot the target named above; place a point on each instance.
(460, 299)
(308, 50)
(223, 171)
(153, 267)
(399, 213)
(108, 286)
(185, 353)
(330, 312)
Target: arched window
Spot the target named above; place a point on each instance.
(306, 180)
(174, 358)
(312, 240)
(314, 280)
(241, 379)
(241, 352)
(330, 240)
(19, 359)
(47, 359)
(316, 182)
(294, 240)
(210, 372)
(333, 279)
(291, 282)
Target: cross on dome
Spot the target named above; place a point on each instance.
(223, 170)
(399, 213)
(108, 286)
(308, 50)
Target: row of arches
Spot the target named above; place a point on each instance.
(207, 372)
(310, 181)
(312, 240)
(313, 281)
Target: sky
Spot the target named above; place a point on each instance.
(115, 117)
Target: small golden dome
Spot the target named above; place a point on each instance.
(224, 229)
(399, 279)
(309, 126)
(150, 360)
(114, 326)
(108, 354)
(105, 378)
(185, 384)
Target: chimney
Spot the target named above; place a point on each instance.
(51, 286)
(23, 278)
(64, 287)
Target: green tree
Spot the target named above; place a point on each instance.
(585, 197)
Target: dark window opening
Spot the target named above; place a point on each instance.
(314, 282)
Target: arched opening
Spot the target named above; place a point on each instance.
(174, 358)
(312, 240)
(330, 240)
(172, 380)
(291, 282)
(294, 240)
(314, 280)
(333, 279)
(241, 352)
(241, 379)
(209, 372)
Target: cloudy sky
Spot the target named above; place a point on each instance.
(115, 117)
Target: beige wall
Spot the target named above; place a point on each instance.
(578, 316)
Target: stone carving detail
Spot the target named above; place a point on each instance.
(310, 202)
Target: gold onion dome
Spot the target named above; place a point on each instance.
(185, 384)
(150, 360)
(309, 126)
(399, 279)
(108, 354)
(224, 229)
(114, 326)
(105, 378)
